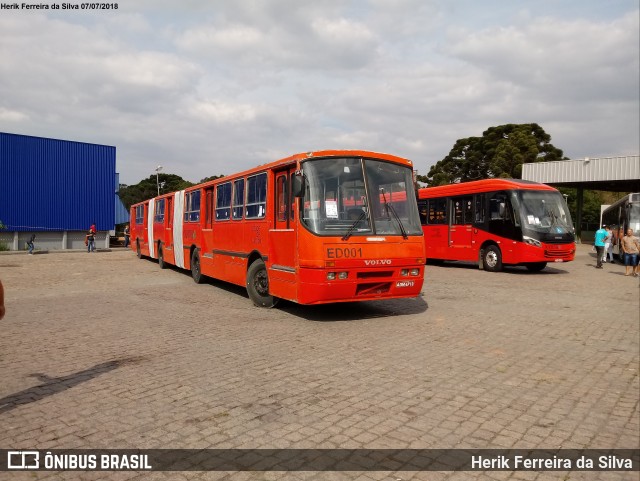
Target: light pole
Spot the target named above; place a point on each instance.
(158, 169)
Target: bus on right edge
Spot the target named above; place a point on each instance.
(497, 222)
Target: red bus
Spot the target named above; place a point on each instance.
(497, 222)
(314, 228)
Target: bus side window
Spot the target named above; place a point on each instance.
(256, 196)
(437, 211)
(238, 199)
(462, 210)
(223, 201)
(499, 207)
(479, 209)
(424, 211)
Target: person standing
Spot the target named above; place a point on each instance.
(91, 239)
(30, 244)
(126, 235)
(601, 235)
(631, 248)
(608, 250)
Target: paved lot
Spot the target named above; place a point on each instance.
(107, 351)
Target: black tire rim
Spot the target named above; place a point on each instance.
(196, 265)
(261, 283)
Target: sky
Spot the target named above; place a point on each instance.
(214, 87)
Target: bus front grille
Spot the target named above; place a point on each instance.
(370, 274)
(372, 288)
(557, 253)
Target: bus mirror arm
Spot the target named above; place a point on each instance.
(298, 185)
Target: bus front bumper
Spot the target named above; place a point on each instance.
(320, 286)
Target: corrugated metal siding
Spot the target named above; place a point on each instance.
(121, 212)
(584, 170)
(50, 184)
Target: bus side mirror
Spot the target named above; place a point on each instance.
(298, 185)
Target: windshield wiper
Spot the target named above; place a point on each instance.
(353, 226)
(389, 207)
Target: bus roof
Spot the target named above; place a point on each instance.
(319, 154)
(478, 186)
(627, 198)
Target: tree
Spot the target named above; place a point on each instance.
(500, 152)
(212, 177)
(148, 188)
(592, 201)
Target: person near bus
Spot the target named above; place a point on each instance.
(30, 244)
(601, 235)
(127, 234)
(608, 246)
(631, 248)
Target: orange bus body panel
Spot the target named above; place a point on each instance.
(297, 260)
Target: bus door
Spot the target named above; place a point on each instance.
(282, 238)
(461, 228)
(206, 241)
(168, 231)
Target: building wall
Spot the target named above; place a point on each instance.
(51, 240)
(56, 189)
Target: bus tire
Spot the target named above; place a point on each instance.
(492, 259)
(196, 268)
(258, 285)
(536, 266)
(161, 261)
(138, 251)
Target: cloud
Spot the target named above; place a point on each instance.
(563, 60)
(12, 116)
(232, 38)
(224, 112)
(206, 90)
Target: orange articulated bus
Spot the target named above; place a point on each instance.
(314, 228)
(497, 222)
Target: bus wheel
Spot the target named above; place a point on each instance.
(492, 259)
(138, 252)
(196, 272)
(258, 285)
(536, 266)
(161, 261)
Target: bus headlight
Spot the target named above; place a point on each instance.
(414, 272)
(531, 241)
(404, 272)
(332, 276)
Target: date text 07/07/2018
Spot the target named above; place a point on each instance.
(58, 6)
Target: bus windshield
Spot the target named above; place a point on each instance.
(634, 217)
(339, 201)
(544, 212)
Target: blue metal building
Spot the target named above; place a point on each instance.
(56, 189)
